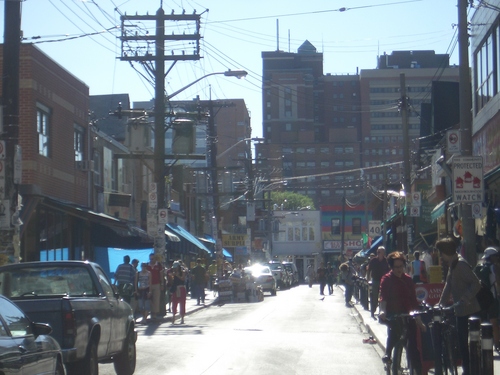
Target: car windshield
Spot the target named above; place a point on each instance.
(46, 281)
(276, 266)
(258, 270)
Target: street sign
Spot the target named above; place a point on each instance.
(414, 211)
(468, 185)
(453, 141)
(162, 217)
(477, 210)
(374, 228)
(416, 199)
(153, 201)
(2, 150)
(152, 225)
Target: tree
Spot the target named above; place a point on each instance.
(291, 201)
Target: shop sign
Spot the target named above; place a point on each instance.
(233, 240)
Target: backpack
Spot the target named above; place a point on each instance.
(484, 297)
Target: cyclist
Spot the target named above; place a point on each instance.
(397, 296)
(462, 286)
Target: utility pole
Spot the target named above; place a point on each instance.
(9, 228)
(342, 236)
(406, 159)
(141, 53)
(465, 100)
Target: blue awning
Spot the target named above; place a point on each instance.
(227, 254)
(188, 236)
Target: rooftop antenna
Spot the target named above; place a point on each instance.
(277, 35)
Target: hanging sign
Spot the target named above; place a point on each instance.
(468, 185)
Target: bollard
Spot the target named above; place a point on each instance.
(487, 348)
(474, 345)
(366, 293)
(437, 342)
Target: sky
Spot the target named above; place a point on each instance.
(83, 37)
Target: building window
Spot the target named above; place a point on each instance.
(311, 150)
(42, 127)
(78, 142)
(335, 226)
(356, 225)
(288, 127)
(338, 150)
(325, 164)
(325, 150)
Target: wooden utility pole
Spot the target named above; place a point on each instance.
(406, 161)
(465, 100)
(140, 52)
(9, 206)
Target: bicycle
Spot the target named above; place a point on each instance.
(399, 363)
(444, 339)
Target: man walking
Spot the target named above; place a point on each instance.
(125, 279)
(199, 280)
(377, 268)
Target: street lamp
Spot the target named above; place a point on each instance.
(237, 143)
(159, 128)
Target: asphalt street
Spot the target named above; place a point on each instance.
(296, 332)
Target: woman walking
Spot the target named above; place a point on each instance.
(178, 290)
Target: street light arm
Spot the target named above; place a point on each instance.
(229, 73)
(236, 144)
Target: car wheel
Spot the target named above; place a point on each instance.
(125, 361)
(59, 368)
(91, 364)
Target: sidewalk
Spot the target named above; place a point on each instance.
(191, 307)
(379, 333)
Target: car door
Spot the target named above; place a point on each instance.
(32, 359)
(115, 331)
(10, 355)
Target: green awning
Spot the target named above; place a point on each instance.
(439, 210)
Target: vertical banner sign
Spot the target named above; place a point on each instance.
(468, 186)
(250, 211)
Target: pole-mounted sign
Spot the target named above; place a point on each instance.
(468, 185)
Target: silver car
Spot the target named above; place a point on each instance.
(263, 277)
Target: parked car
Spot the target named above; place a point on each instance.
(263, 277)
(90, 321)
(26, 347)
(279, 272)
(292, 270)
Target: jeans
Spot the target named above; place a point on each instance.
(374, 296)
(349, 289)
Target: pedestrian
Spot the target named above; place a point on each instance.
(125, 279)
(321, 274)
(199, 280)
(310, 275)
(462, 286)
(418, 271)
(168, 283)
(143, 292)
(156, 286)
(330, 277)
(486, 272)
(398, 296)
(134, 302)
(377, 268)
(178, 290)
(212, 270)
(348, 279)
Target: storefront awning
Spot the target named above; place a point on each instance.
(439, 210)
(227, 255)
(172, 237)
(188, 237)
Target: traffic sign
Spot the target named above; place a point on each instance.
(414, 211)
(477, 210)
(468, 185)
(2, 150)
(374, 228)
(153, 201)
(453, 141)
(162, 216)
(416, 199)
